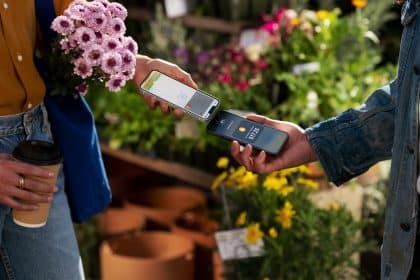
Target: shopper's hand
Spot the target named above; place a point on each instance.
(296, 151)
(25, 198)
(145, 65)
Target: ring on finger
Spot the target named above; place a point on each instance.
(21, 182)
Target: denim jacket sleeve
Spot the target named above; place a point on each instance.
(347, 145)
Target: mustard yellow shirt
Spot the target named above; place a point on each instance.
(21, 86)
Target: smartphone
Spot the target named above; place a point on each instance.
(192, 101)
(234, 127)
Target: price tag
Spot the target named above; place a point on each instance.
(311, 67)
(176, 8)
(232, 245)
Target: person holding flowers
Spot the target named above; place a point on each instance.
(385, 126)
(93, 42)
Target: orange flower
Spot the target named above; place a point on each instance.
(359, 3)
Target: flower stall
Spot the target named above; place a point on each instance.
(285, 61)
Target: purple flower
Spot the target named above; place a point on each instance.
(129, 74)
(65, 45)
(111, 62)
(82, 89)
(130, 44)
(77, 10)
(97, 21)
(111, 44)
(128, 60)
(105, 3)
(62, 25)
(115, 83)
(203, 58)
(117, 10)
(182, 54)
(96, 7)
(84, 36)
(116, 27)
(82, 68)
(94, 54)
(98, 38)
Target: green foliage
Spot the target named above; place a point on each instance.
(301, 240)
(124, 119)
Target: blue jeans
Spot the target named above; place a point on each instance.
(49, 252)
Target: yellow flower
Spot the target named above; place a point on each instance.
(309, 183)
(218, 180)
(241, 219)
(285, 190)
(334, 206)
(289, 171)
(274, 183)
(249, 180)
(273, 232)
(295, 21)
(322, 14)
(253, 234)
(222, 162)
(359, 3)
(285, 215)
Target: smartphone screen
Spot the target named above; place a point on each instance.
(195, 102)
(234, 127)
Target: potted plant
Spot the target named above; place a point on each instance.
(298, 240)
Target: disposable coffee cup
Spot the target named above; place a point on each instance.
(45, 155)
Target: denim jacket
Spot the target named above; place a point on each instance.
(385, 126)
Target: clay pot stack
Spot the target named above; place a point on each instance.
(182, 248)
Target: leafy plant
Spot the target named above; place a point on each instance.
(300, 240)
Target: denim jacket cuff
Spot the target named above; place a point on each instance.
(323, 142)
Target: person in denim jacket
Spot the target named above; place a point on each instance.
(385, 126)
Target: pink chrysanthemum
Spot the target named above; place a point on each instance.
(97, 21)
(111, 44)
(94, 54)
(82, 68)
(98, 38)
(130, 44)
(129, 74)
(116, 27)
(62, 25)
(128, 60)
(117, 10)
(82, 89)
(77, 10)
(111, 62)
(65, 45)
(96, 7)
(115, 83)
(84, 36)
(105, 3)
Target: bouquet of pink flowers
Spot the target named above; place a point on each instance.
(93, 44)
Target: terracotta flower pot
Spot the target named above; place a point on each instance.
(149, 255)
(117, 221)
(198, 228)
(165, 204)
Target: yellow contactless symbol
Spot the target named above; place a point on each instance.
(242, 129)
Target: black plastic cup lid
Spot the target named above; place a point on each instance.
(38, 152)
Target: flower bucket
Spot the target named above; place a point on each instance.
(117, 221)
(149, 255)
(165, 204)
(199, 229)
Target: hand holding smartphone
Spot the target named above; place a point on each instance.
(197, 103)
(203, 107)
(233, 127)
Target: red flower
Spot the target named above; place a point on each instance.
(242, 85)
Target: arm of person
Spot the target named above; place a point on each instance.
(346, 145)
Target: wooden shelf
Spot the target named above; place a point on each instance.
(180, 171)
(199, 22)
